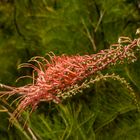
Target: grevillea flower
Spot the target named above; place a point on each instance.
(53, 78)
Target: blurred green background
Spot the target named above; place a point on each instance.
(29, 28)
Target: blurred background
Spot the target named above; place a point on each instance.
(35, 27)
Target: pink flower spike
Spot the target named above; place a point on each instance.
(63, 72)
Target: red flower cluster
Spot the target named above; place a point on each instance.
(62, 72)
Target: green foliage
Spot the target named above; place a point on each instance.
(34, 27)
(133, 72)
(100, 114)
